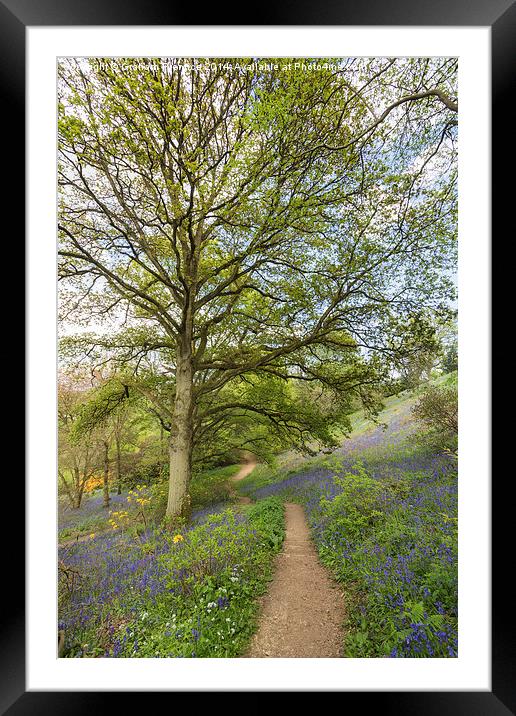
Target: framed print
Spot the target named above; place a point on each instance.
(85, 64)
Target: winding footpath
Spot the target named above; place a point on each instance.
(302, 613)
(245, 468)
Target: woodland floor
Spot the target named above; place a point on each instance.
(303, 611)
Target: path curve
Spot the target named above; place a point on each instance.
(302, 613)
(245, 468)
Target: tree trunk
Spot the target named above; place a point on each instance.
(77, 492)
(118, 467)
(106, 475)
(181, 438)
(162, 442)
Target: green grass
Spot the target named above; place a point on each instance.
(212, 486)
(93, 523)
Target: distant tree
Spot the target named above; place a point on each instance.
(119, 421)
(450, 359)
(78, 460)
(105, 486)
(240, 224)
(422, 350)
(104, 418)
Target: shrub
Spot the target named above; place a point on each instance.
(148, 471)
(437, 410)
(357, 508)
(267, 519)
(212, 486)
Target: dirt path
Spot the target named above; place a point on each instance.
(245, 469)
(302, 613)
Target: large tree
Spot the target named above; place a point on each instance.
(247, 221)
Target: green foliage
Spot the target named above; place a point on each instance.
(450, 359)
(438, 411)
(98, 405)
(357, 509)
(275, 414)
(148, 468)
(212, 486)
(420, 354)
(213, 575)
(266, 517)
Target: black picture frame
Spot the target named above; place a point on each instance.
(500, 16)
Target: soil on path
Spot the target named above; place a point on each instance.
(245, 469)
(303, 611)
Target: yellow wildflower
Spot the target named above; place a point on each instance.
(178, 538)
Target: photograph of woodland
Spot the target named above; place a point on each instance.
(257, 380)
